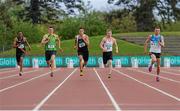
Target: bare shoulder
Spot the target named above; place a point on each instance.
(56, 36)
(114, 39)
(86, 36)
(149, 36)
(25, 38)
(104, 38)
(45, 36)
(76, 36)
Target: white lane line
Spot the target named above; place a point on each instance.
(29, 80)
(5, 69)
(160, 91)
(52, 92)
(18, 74)
(171, 73)
(10, 70)
(145, 73)
(115, 104)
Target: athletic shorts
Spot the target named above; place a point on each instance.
(158, 55)
(85, 55)
(48, 54)
(107, 56)
(18, 56)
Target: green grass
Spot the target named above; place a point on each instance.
(125, 48)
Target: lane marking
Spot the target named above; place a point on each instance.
(6, 77)
(29, 80)
(53, 91)
(149, 74)
(158, 90)
(115, 104)
(171, 73)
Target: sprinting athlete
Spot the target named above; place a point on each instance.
(81, 44)
(50, 40)
(156, 42)
(107, 47)
(19, 43)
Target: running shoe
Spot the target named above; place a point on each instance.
(51, 74)
(109, 75)
(157, 79)
(150, 68)
(20, 73)
(81, 73)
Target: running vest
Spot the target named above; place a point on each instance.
(108, 45)
(82, 46)
(21, 44)
(51, 45)
(154, 43)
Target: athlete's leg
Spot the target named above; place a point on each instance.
(158, 69)
(21, 66)
(48, 57)
(109, 64)
(52, 63)
(85, 58)
(153, 60)
(81, 62)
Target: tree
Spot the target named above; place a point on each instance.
(45, 11)
(143, 10)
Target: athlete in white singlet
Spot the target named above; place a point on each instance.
(107, 47)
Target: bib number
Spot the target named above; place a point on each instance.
(51, 46)
(21, 46)
(109, 47)
(81, 45)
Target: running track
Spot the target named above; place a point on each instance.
(128, 89)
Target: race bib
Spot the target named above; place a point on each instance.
(108, 47)
(21, 46)
(51, 46)
(82, 44)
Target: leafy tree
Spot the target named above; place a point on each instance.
(143, 10)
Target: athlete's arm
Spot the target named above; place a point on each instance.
(75, 43)
(14, 43)
(101, 45)
(86, 39)
(146, 43)
(161, 43)
(59, 43)
(115, 42)
(44, 40)
(28, 44)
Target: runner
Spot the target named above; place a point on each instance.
(81, 44)
(156, 42)
(50, 40)
(19, 43)
(107, 47)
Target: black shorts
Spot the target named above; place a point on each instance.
(107, 56)
(48, 54)
(85, 55)
(158, 55)
(18, 56)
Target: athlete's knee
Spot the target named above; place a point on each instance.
(109, 63)
(53, 57)
(48, 62)
(153, 57)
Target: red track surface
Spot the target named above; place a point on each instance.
(128, 89)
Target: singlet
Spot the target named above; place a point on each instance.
(51, 45)
(108, 45)
(154, 43)
(82, 46)
(21, 44)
